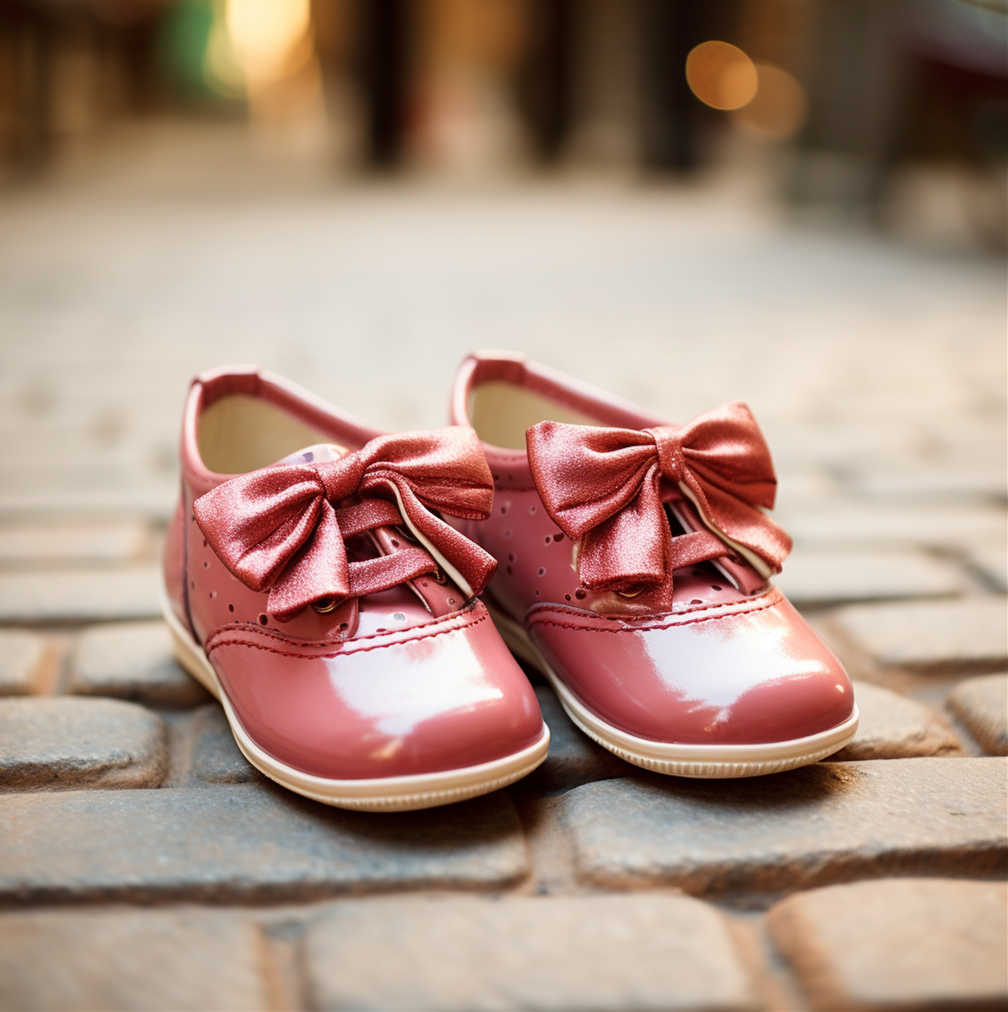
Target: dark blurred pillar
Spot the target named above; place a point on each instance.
(545, 82)
(384, 27)
(669, 30)
(28, 54)
(856, 85)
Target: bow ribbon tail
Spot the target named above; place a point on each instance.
(465, 562)
(743, 527)
(629, 548)
(317, 571)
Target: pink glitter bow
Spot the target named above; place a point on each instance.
(277, 528)
(605, 486)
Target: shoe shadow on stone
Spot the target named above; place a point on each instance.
(574, 759)
(789, 791)
(218, 760)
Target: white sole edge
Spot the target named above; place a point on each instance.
(702, 761)
(386, 794)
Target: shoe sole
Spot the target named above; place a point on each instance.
(702, 761)
(385, 794)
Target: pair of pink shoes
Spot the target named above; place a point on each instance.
(312, 584)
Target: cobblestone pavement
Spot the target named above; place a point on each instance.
(144, 864)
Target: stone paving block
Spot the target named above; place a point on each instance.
(967, 634)
(897, 944)
(122, 959)
(216, 758)
(590, 952)
(21, 657)
(877, 525)
(573, 757)
(895, 727)
(153, 500)
(70, 743)
(132, 660)
(834, 576)
(993, 563)
(244, 843)
(981, 703)
(80, 595)
(933, 486)
(122, 541)
(820, 824)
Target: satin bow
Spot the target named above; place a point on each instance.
(277, 528)
(604, 486)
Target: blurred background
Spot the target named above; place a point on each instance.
(890, 109)
(798, 203)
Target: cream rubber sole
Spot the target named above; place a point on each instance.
(708, 761)
(386, 794)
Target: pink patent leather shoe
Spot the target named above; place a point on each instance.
(635, 567)
(312, 587)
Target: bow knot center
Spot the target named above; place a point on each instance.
(670, 452)
(340, 478)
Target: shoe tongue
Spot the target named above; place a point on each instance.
(317, 453)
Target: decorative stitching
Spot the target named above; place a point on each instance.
(641, 626)
(252, 627)
(540, 609)
(276, 635)
(342, 653)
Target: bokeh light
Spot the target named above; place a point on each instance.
(222, 72)
(779, 108)
(267, 36)
(721, 75)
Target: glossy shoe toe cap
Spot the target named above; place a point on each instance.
(447, 697)
(732, 677)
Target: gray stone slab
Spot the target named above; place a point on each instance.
(961, 635)
(21, 658)
(895, 727)
(881, 526)
(981, 703)
(80, 595)
(70, 743)
(132, 660)
(122, 959)
(216, 758)
(599, 952)
(122, 541)
(992, 562)
(837, 576)
(935, 485)
(153, 500)
(812, 826)
(244, 843)
(573, 757)
(897, 944)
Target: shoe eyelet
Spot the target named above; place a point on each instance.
(326, 605)
(441, 577)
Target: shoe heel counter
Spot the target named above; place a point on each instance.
(173, 563)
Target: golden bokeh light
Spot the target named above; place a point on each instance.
(721, 75)
(267, 34)
(221, 69)
(780, 107)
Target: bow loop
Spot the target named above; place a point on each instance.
(604, 485)
(277, 528)
(725, 449)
